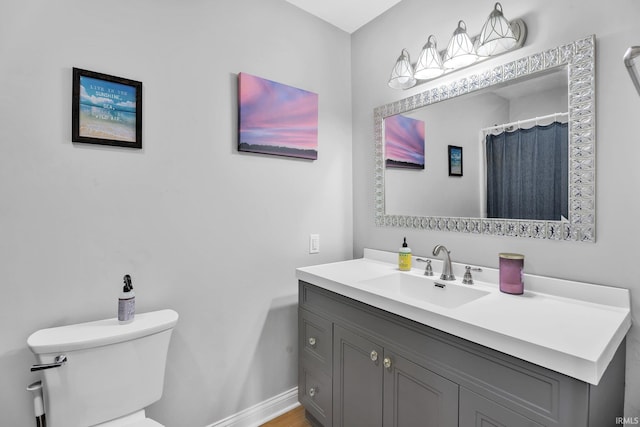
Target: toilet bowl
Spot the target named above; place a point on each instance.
(103, 373)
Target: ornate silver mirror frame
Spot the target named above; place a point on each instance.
(579, 57)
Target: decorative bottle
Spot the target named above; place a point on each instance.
(404, 257)
(127, 302)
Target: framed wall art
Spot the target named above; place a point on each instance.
(106, 110)
(455, 160)
(276, 119)
(404, 142)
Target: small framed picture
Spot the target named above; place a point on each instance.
(455, 160)
(106, 110)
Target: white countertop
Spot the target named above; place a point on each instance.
(570, 327)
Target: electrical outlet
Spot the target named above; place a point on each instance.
(314, 243)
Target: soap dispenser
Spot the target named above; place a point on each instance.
(127, 302)
(404, 257)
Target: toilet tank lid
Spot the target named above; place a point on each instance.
(100, 332)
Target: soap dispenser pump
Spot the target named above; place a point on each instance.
(404, 257)
(127, 302)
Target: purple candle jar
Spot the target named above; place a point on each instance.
(511, 273)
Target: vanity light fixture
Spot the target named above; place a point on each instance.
(498, 36)
(429, 63)
(632, 62)
(402, 75)
(460, 51)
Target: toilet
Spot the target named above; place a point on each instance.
(103, 373)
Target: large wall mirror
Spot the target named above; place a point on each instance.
(508, 151)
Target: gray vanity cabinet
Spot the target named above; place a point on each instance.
(415, 396)
(477, 411)
(362, 366)
(357, 380)
(375, 387)
(315, 354)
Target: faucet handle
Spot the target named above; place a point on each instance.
(428, 270)
(467, 279)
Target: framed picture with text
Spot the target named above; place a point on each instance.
(455, 160)
(106, 110)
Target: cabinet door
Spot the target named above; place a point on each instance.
(478, 411)
(417, 397)
(357, 380)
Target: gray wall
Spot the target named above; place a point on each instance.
(610, 261)
(205, 230)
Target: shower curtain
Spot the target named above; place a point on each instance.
(527, 173)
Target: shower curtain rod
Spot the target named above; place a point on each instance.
(521, 122)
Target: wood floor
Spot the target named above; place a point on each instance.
(293, 418)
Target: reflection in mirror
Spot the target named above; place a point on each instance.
(404, 142)
(527, 171)
(514, 122)
(527, 132)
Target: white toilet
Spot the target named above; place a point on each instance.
(111, 371)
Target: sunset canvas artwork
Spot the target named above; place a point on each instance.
(277, 119)
(404, 142)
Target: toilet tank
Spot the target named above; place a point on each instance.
(112, 370)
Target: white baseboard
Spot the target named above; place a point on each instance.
(262, 412)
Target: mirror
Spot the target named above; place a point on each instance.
(513, 117)
(420, 191)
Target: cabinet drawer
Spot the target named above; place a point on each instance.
(316, 339)
(315, 392)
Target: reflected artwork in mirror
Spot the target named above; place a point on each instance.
(544, 106)
(404, 142)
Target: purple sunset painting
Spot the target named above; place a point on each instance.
(404, 142)
(277, 119)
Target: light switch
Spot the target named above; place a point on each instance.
(314, 243)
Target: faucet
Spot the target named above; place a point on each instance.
(447, 273)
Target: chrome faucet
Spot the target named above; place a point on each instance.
(447, 272)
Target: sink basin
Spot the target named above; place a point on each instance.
(420, 289)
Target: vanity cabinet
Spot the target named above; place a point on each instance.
(413, 393)
(476, 410)
(357, 376)
(362, 366)
(366, 373)
(315, 353)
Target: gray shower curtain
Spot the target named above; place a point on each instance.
(527, 173)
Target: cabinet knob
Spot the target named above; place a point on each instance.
(312, 342)
(313, 391)
(387, 362)
(374, 355)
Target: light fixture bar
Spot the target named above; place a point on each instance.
(498, 36)
(519, 29)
